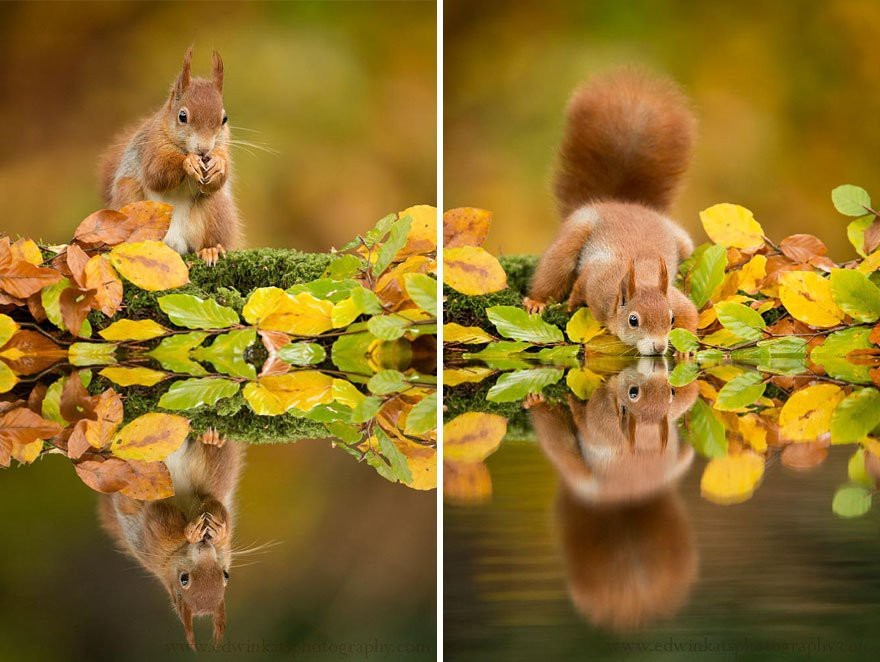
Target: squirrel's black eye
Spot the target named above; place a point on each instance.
(225, 118)
(672, 319)
(633, 392)
(182, 116)
(634, 320)
(184, 579)
(225, 576)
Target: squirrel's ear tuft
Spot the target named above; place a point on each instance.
(219, 623)
(186, 618)
(183, 79)
(664, 277)
(664, 433)
(218, 71)
(628, 284)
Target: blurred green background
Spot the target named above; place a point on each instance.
(344, 92)
(786, 92)
(355, 563)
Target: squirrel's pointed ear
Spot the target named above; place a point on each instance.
(218, 71)
(628, 284)
(664, 276)
(664, 433)
(219, 623)
(184, 77)
(186, 618)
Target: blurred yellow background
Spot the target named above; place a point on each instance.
(344, 92)
(786, 92)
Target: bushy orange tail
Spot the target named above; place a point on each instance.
(628, 137)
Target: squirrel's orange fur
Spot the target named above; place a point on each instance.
(627, 143)
(185, 541)
(179, 155)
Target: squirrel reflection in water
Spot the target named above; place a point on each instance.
(627, 544)
(186, 540)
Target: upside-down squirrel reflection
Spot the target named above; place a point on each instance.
(186, 540)
(626, 540)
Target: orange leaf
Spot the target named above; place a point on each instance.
(149, 481)
(104, 475)
(76, 259)
(75, 305)
(151, 220)
(29, 352)
(465, 226)
(106, 226)
(20, 278)
(101, 277)
(802, 247)
(22, 426)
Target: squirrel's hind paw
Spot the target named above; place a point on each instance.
(212, 438)
(212, 255)
(533, 306)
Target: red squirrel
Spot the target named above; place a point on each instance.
(179, 156)
(627, 143)
(185, 541)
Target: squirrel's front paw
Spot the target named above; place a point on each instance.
(212, 438)
(212, 255)
(197, 529)
(192, 166)
(533, 306)
(213, 174)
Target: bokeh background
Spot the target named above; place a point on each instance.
(344, 93)
(786, 92)
(354, 562)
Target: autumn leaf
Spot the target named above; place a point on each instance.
(302, 390)
(148, 481)
(583, 327)
(76, 259)
(806, 415)
(22, 426)
(106, 226)
(8, 327)
(19, 277)
(300, 315)
(75, 304)
(471, 270)
(27, 250)
(802, 247)
(732, 478)
(124, 330)
(150, 437)
(150, 265)
(465, 226)
(732, 225)
(472, 437)
(29, 352)
(807, 297)
(422, 235)
(106, 475)
(124, 376)
(99, 275)
(262, 302)
(467, 335)
(108, 411)
(150, 220)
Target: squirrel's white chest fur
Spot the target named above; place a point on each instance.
(184, 233)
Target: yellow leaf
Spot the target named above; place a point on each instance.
(302, 390)
(707, 391)
(583, 327)
(753, 433)
(422, 462)
(262, 302)
(27, 453)
(133, 376)
(582, 382)
(807, 413)
(344, 313)
(807, 297)
(732, 225)
(346, 393)
(151, 437)
(133, 330)
(467, 335)
(472, 437)
(27, 250)
(8, 327)
(733, 478)
(150, 265)
(465, 226)
(466, 483)
(300, 315)
(752, 274)
(100, 276)
(422, 236)
(8, 379)
(471, 270)
(471, 374)
(870, 264)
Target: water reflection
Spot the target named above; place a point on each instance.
(185, 541)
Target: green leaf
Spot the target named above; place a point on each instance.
(192, 393)
(851, 501)
(516, 323)
(856, 470)
(387, 327)
(683, 340)
(741, 391)
(564, 355)
(422, 289)
(707, 274)
(707, 434)
(422, 417)
(396, 240)
(850, 200)
(346, 432)
(856, 416)
(683, 374)
(50, 297)
(173, 353)
(740, 320)
(91, 353)
(366, 409)
(513, 386)
(831, 355)
(855, 232)
(366, 300)
(350, 353)
(387, 381)
(856, 295)
(399, 467)
(302, 353)
(226, 353)
(502, 355)
(192, 312)
(345, 266)
(326, 289)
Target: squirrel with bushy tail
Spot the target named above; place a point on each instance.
(626, 146)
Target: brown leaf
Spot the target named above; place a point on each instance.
(23, 426)
(76, 259)
(76, 403)
(105, 475)
(274, 366)
(869, 356)
(274, 340)
(77, 444)
(802, 247)
(875, 376)
(149, 481)
(35, 306)
(874, 337)
(102, 277)
(75, 306)
(872, 236)
(29, 352)
(804, 456)
(151, 220)
(104, 227)
(109, 414)
(823, 263)
(465, 226)
(19, 277)
(36, 397)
